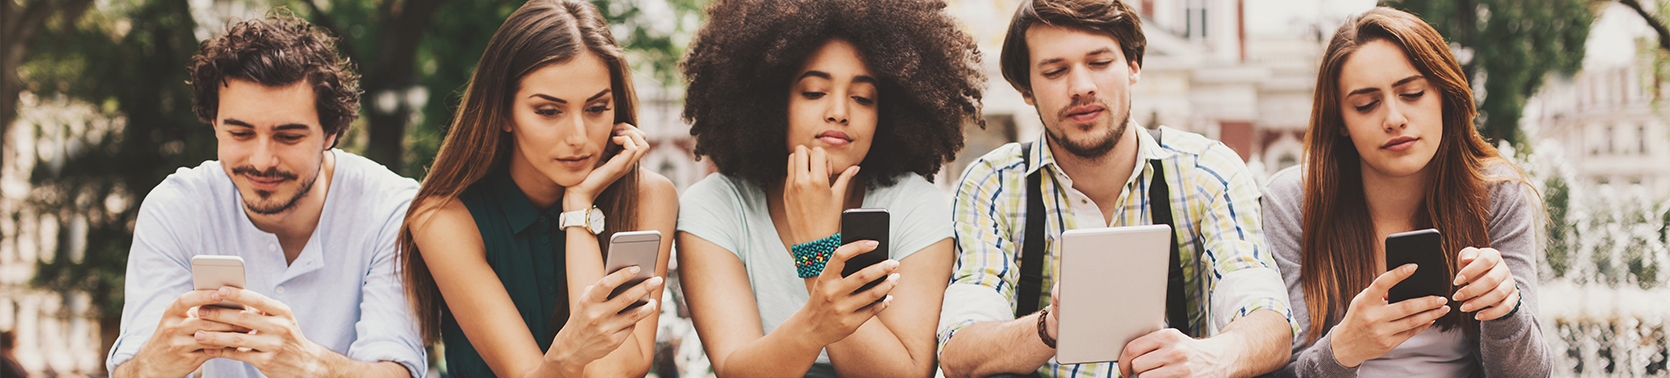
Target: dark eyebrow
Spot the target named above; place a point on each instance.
(1103, 50)
(864, 79)
(558, 100)
(289, 126)
(1394, 85)
(1406, 80)
(598, 95)
(824, 75)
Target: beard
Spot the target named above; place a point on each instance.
(1099, 145)
(278, 207)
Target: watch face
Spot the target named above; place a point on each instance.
(594, 220)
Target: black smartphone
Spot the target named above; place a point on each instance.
(864, 224)
(1425, 249)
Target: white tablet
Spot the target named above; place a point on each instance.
(1113, 290)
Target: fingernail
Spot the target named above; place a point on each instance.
(871, 243)
(893, 277)
(1459, 278)
(651, 303)
(224, 292)
(619, 132)
(200, 335)
(655, 281)
(633, 269)
(215, 295)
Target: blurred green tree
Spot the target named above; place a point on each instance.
(129, 60)
(1507, 47)
(20, 22)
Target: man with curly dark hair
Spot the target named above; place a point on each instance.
(790, 99)
(1093, 167)
(311, 227)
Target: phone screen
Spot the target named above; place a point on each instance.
(865, 224)
(1425, 249)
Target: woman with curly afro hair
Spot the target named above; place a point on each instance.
(809, 108)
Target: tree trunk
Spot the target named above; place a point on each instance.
(393, 70)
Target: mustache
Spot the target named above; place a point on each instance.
(273, 173)
(1077, 102)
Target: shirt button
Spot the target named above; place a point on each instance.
(279, 290)
(272, 247)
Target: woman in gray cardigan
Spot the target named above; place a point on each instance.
(1391, 148)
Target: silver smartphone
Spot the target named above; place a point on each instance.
(210, 272)
(633, 248)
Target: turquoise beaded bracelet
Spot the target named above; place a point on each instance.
(810, 257)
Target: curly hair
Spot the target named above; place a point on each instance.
(742, 62)
(278, 50)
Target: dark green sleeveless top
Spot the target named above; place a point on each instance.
(525, 249)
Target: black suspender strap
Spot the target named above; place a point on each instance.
(1159, 207)
(1032, 247)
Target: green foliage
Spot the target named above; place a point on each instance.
(1557, 199)
(130, 60)
(1515, 44)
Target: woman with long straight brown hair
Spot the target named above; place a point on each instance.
(502, 249)
(1392, 148)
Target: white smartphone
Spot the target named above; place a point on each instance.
(633, 248)
(209, 272)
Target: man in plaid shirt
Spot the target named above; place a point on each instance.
(1075, 60)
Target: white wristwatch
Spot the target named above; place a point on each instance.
(591, 219)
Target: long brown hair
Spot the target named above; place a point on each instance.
(1339, 237)
(540, 33)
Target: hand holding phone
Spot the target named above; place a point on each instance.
(634, 248)
(1424, 248)
(865, 224)
(210, 272)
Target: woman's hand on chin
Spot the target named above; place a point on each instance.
(812, 203)
(633, 146)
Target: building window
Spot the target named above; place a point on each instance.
(1641, 135)
(1610, 146)
(1194, 19)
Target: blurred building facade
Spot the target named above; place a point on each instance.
(1609, 118)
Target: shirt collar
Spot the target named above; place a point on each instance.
(518, 211)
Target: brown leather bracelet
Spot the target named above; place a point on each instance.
(1043, 330)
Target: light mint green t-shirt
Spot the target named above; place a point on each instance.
(732, 213)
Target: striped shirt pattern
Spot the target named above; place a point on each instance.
(1214, 201)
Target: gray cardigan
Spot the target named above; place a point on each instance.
(1507, 347)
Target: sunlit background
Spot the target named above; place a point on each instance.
(96, 112)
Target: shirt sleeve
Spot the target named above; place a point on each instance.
(158, 270)
(387, 330)
(1243, 275)
(707, 210)
(921, 216)
(982, 288)
(1513, 346)
(1283, 223)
